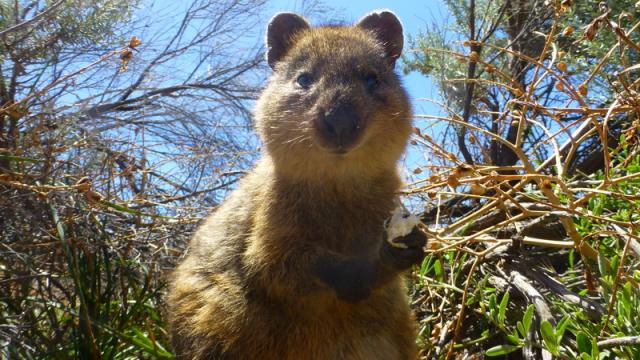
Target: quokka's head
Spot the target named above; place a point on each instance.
(334, 103)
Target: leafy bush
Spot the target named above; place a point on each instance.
(531, 198)
(108, 159)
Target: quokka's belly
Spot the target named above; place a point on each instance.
(381, 327)
(221, 320)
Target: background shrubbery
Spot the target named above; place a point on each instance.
(122, 124)
(111, 149)
(534, 219)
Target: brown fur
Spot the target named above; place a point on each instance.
(245, 290)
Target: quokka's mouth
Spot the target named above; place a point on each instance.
(339, 129)
(336, 148)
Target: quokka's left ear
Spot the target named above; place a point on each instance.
(387, 29)
(281, 30)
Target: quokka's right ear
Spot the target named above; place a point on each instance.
(387, 29)
(280, 32)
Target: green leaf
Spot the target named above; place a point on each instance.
(560, 329)
(583, 292)
(584, 344)
(514, 339)
(548, 335)
(572, 255)
(131, 211)
(503, 308)
(427, 263)
(595, 352)
(437, 267)
(528, 318)
(142, 341)
(615, 262)
(501, 350)
(472, 300)
(18, 158)
(546, 329)
(493, 307)
(425, 331)
(603, 265)
(520, 328)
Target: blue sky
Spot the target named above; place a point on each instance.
(416, 16)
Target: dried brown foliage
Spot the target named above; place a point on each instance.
(512, 228)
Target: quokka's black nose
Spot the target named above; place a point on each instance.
(340, 127)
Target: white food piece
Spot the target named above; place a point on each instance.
(400, 224)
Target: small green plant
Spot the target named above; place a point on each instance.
(517, 337)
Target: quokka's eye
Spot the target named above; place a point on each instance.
(304, 80)
(371, 81)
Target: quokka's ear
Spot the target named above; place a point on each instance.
(387, 29)
(280, 32)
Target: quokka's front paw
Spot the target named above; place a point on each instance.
(404, 251)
